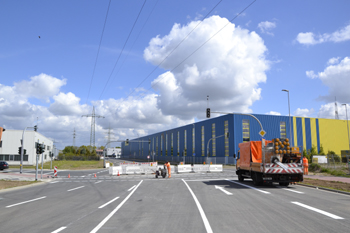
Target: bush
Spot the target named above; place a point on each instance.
(314, 167)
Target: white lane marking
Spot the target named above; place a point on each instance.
(53, 182)
(291, 190)
(131, 188)
(75, 188)
(59, 229)
(108, 203)
(205, 180)
(204, 217)
(114, 211)
(82, 176)
(318, 210)
(248, 186)
(25, 202)
(222, 189)
(98, 182)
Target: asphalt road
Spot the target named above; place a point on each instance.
(184, 203)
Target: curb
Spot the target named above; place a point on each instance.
(330, 190)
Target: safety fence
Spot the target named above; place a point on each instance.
(150, 168)
(333, 162)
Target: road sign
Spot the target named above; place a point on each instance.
(147, 156)
(262, 133)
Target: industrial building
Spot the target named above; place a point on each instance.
(190, 142)
(11, 141)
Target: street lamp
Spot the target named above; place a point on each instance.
(290, 121)
(347, 122)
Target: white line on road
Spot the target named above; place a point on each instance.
(114, 211)
(318, 210)
(75, 188)
(201, 211)
(108, 203)
(248, 186)
(205, 179)
(131, 188)
(293, 191)
(222, 189)
(98, 182)
(53, 182)
(25, 202)
(59, 229)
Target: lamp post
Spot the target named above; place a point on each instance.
(290, 121)
(347, 122)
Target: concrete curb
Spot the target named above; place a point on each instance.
(331, 190)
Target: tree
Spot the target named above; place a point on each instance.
(321, 152)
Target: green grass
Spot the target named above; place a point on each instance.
(68, 165)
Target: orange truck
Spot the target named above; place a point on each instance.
(269, 162)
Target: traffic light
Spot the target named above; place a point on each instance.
(19, 150)
(42, 148)
(35, 128)
(24, 151)
(37, 148)
(208, 112)
(149, 141)
(127, 142)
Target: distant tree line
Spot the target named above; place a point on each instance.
(79, 153)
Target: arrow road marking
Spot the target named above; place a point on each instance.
(248, 186)
(222, 189)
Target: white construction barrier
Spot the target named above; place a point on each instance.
(200, 168)
(107, 165)
(215, 168)
(113, 171)
(184, 168)
(133, 170)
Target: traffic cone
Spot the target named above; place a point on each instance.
(118, 173)
(95, 175)
(68, 175)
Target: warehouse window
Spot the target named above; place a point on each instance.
(166, 144)
(185, 142)
(213, 139)
(172, 143)
(246, 134)
(203, 146)
(283, 129)
(193, 142)
(226, 139)
(178, 143)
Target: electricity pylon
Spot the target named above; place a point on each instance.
(92, 134)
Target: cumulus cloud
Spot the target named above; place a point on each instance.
(328, 111)
(309, 38)
(311, 74)
(228, 68)
(273, 113)
(266, 27)
(304, 112)
(336, 78)
(66, 104)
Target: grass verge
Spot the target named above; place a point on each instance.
(5, 184)
(328, 184)
(68, 165)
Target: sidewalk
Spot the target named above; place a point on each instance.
(329, 178)
(22, 177)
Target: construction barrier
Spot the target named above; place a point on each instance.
(55, 172)
(107, 165)
(216, 168)
(200, 168)
(114, 170)
(132, 170)
(184, 168)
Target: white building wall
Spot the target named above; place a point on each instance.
(11, 140)
(116, 151)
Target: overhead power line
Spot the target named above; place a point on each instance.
(98, 51)
(127, 39)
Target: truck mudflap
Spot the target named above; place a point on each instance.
(289, 168)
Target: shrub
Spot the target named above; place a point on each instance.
(314, 167)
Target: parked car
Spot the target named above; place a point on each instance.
(3, 165)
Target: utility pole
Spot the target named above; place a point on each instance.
(92, 134)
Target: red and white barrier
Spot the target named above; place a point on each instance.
(55, 172)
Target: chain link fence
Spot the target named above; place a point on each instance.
(340, 165)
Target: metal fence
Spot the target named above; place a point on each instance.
(185, 159)
(335, 162)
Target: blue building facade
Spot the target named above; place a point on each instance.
(200, 141)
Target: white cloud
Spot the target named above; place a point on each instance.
(333, 60)
(230, 75)
(328, 111)
(309, 38)
(66, 104)
(311, 74)
(304, 112)
(273, 113)
(266, 27)
(337, 78)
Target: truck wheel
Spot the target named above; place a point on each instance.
(257, 179)
(240, 177)
(156, 176)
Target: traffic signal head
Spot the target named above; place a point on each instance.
(24, 151)
(208, 112)
(35, 128)
(19, 150)
(42, 148)
(37, 148)
(127, 142)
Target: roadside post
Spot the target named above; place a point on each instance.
(55, 172)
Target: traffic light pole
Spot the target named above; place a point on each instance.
(42, 162)
(21, 164)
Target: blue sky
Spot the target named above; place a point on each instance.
(302, 46)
